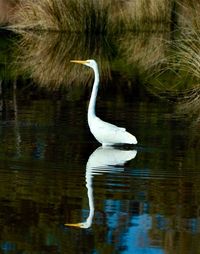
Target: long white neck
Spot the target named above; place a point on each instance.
(92, 103)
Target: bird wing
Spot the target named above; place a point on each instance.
(107, 133)
(107, 126)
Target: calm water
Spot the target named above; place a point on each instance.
(53, 174)
(61, 192)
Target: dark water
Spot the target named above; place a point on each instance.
(53, 174)
(60, 192)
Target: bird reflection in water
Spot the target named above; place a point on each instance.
(102, 160)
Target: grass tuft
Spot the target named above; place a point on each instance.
(88, 16)
(146, 14)
(91, 16)
(45, 58)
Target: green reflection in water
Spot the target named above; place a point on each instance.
(152, 203)
(147, 58)
(42, 162)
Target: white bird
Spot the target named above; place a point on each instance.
(107, 134)
(102, 160)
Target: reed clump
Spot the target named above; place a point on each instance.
(144, 50)
(45, 58)
(146, 14)
(189, 14)
(91, 16)
(187, 53)
(186, 47)
(88, 16)
(6, 10)
(186, 60)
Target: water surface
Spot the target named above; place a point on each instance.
(61, 192)
(143, 201)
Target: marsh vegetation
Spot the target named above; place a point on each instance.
(105, 31)
(90, 16)
(148, 52)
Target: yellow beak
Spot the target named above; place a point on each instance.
(77, 225)
(79, 61)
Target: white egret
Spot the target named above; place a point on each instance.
(107, 134)
(102, 160)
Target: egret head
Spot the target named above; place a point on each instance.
(90, 62)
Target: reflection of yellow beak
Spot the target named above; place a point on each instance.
(78, 61)
(77, 225)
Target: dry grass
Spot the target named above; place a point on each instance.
(184, 61)
(144, 51)
(186, 47)
(6, 10)
(180, 75)
(187, 53)
(91, 16)
(190, 103)
(102, 16)
(86, 16)
(146, 14)
(187, 60)
(46, 58)
(189, 17)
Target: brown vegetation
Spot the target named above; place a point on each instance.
(146, 14)
(7, 10)
(71, 15)
(90, 15)
(46, 58)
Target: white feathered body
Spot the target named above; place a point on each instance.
(106, 133)
(109, 134)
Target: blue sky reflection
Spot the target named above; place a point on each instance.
(136, 240)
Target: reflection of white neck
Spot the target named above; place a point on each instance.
(103, 159)
(89, 186)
